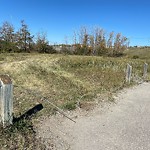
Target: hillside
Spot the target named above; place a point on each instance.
(138, 52)
(65, 80)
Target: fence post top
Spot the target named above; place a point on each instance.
(5, 79)
(128, 64)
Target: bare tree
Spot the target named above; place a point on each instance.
(82, 46)
(117, 43)
(75, 38)
(96, 42)
(110, 40)
(83, 36)
(124, 43)
(100, 41)
(120, 44)
(91, 44)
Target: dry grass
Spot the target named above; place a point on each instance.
(140, 53)
(64, 80)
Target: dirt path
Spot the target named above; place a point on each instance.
(121, 126)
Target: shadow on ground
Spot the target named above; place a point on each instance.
(29, 113)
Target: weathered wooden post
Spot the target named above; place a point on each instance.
(6, 100)
(128, 73)
(145, 70)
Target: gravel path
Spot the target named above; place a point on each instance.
(124, 125)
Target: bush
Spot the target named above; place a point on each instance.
(135, 57)
(7, 47)
(50, 50)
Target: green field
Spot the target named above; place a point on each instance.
(65, 80)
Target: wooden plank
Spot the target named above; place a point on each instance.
(128, 73)
(145, 70)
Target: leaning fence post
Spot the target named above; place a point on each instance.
(6, 100)
(128, 73)
(145, 70)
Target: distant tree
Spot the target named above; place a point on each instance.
(7, 38)
(41, 42)
(124, 42)
(91, 44)
(77, 41)
(110, 43)
(100, 42)
(75, 38)
(120, 44)
(24, 38)
(110, 40)
(117, 43)
(7, 32)
(82, 47)
(82, 35)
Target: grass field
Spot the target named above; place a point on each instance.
(63, 79)
(141, 53)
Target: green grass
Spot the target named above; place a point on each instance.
(64, 80)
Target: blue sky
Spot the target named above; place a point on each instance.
(60, 18)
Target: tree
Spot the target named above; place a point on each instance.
(117, 43)
(81, 48)
(110, 43)
(7, 38)
(41, 42)
(91, 44)
(75, 38)
(7, 32)
(120, 44)
(100, 42)
(110, 40)
(124, 42)
(95, 42)
(24, 38)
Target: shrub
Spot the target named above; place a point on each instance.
(69, 105)
(135, 57)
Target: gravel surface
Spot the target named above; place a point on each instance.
(124, 125)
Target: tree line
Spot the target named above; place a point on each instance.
(22, 40)
(85, 42)
(97, 42)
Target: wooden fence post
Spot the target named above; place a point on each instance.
(145, 70)
(6, 100)
(128, 73)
